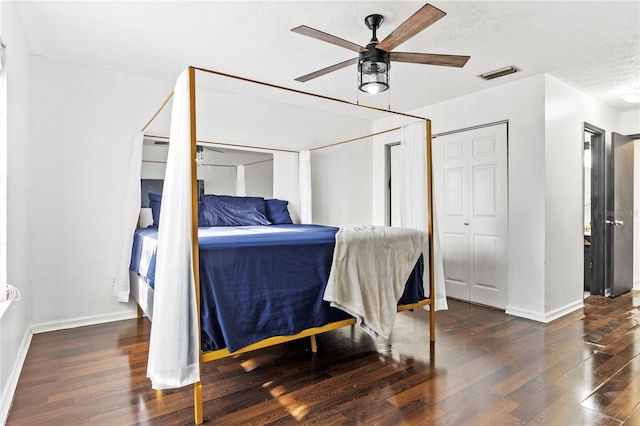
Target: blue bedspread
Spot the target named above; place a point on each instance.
(261, 281)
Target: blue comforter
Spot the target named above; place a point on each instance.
(260, 281)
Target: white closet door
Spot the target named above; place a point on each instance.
(451, 186)
(470, 185)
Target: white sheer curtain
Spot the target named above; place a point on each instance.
(173, 345)
(414, 206)
(130, 213)
(304, 167)
(241, 186)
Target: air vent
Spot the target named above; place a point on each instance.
(499, 73)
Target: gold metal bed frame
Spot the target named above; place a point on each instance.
(312, 332)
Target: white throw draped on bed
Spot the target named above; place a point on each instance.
(173, 345)
(414, 206)
(130, 212)
(371, 265)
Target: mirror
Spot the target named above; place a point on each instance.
(220, 170)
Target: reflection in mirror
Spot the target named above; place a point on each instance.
(221, 170)
(235, 172)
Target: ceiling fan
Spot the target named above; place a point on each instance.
(374, 60)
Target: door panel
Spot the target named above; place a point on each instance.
(454, 197)
(456, 264)
(454, 206)
(484, 191)
(470, 182)
(619, 214)
(485, 286)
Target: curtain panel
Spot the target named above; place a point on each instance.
(414, 205)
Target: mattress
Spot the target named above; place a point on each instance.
(261, 281)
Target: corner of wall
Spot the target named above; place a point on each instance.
(9, 385)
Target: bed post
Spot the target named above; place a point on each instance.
(197, 387)
(432, 294)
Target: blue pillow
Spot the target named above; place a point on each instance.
(277, 212)
(155, 200)
(241, 202)
(227, 210)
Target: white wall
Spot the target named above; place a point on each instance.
(259, 179)
(545, 119)
(545, 245)
(229, 118)
(15, 332)
(285, 181)
(522, 104)
(341, 183)
(566, 110)
(84, 120)
(630, 122)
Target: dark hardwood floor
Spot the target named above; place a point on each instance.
(487, 368)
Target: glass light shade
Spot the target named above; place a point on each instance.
(374, 76)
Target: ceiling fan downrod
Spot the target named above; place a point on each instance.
(373, 22)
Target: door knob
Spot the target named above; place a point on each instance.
(614, 222)
(466, 223)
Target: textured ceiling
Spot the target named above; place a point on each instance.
(593, 46)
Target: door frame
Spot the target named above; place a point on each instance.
(599, 175)
(507, 181)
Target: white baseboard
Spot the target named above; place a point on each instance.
(12, 382)
(81, 322)
(564, 310)
(546, 316)
(535, 316)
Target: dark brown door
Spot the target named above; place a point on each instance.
(619, 215)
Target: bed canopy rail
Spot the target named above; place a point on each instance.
(209, 356)
(355, 139)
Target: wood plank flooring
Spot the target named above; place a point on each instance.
(487, 368)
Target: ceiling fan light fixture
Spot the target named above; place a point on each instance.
(375, 59)
(373, 63)
(374, 76)
(499, 73)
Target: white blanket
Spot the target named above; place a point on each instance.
(371, 265)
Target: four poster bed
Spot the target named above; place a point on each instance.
(214, 291)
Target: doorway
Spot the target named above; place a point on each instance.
(609, 234)
(594, 232)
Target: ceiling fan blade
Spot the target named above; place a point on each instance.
(310, 32)
(430, 59)
(327, 70)
(417, 22)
